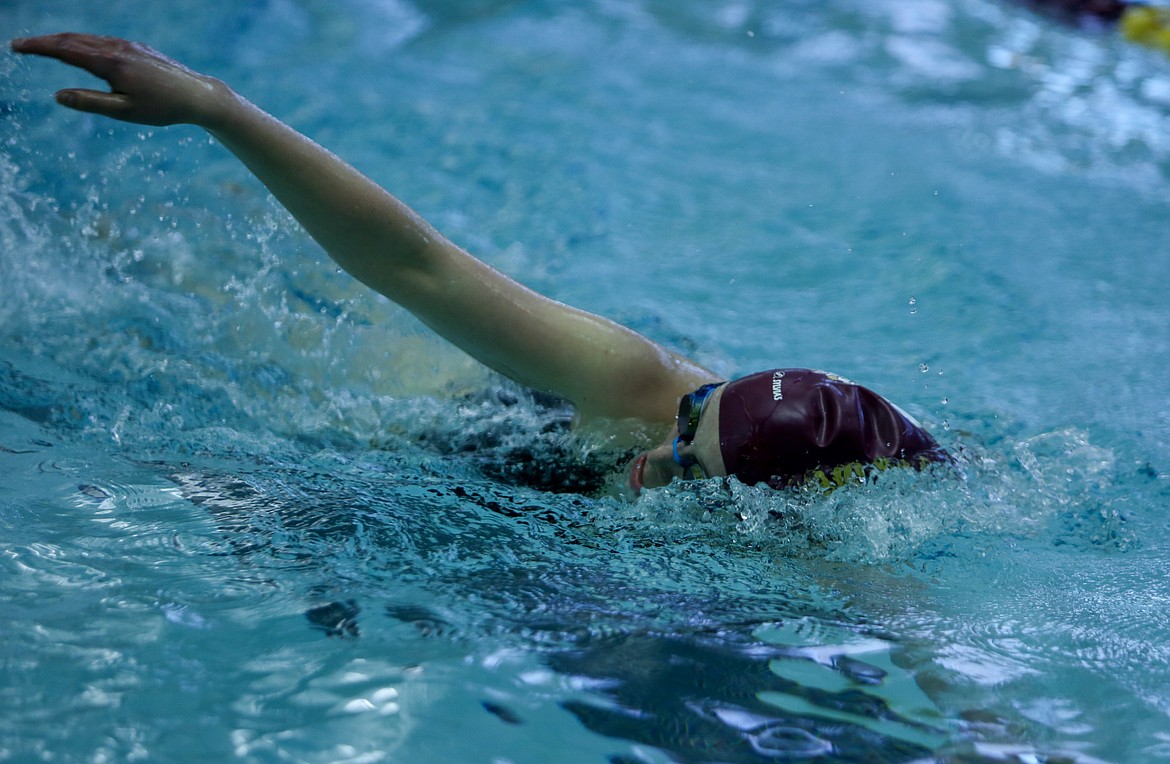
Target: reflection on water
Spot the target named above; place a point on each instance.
(729, 696)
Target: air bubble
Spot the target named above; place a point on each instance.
(923, 368)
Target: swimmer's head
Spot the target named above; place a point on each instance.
(778, 426)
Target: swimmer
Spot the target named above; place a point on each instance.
(776, 427)
(1142, 22)
(1101, 10)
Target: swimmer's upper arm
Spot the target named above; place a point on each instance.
(605, 369)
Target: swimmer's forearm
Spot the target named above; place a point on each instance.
(369, 232)
(365, 229)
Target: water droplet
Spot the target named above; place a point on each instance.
(923, 368)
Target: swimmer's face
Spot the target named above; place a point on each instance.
(658, 467)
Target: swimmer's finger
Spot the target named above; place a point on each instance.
(114, 105)
(90, 52)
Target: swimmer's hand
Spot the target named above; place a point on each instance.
(146, 87)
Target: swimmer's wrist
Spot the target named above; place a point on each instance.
(217, 107)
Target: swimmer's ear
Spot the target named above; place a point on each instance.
(95, 102)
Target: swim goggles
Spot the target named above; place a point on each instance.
(690, 408)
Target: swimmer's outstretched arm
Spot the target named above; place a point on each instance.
(602, 367)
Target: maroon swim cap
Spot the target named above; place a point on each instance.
(777, 426)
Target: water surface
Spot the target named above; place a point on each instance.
(251, 511)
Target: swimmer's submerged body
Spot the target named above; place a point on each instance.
(777, 427)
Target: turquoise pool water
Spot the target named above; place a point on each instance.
(248, 511)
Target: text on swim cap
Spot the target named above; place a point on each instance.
(778, 386)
